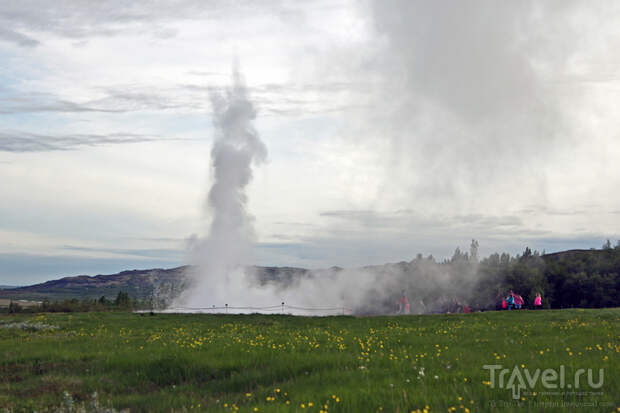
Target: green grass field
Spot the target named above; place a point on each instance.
(275, 363)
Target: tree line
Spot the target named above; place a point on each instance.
(122, 302)
(576, 278)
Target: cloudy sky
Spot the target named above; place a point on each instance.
(393, 128)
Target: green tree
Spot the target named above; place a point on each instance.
(122, 299)
(14, 307)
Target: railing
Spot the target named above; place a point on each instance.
(282, 308)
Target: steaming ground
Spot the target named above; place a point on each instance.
(321, 292)
(431, 287)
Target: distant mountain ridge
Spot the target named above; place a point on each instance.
(137, 283)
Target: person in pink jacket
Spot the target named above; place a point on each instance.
(403, 304)
(537, 302)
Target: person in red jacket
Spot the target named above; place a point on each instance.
(403, 304)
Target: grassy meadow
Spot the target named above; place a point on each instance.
(278, 363)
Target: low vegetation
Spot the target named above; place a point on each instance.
(279, 363)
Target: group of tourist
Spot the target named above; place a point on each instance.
(512, 301)
(515, 302)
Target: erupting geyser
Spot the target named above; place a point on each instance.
(218, 275)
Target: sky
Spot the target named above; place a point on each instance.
(392, 128)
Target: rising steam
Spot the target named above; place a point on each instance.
(219, 258)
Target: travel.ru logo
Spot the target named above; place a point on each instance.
(522, 378)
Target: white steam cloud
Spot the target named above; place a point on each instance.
(219, 257)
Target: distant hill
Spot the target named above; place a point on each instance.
(137, 283)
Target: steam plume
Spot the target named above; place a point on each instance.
(219, 257)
